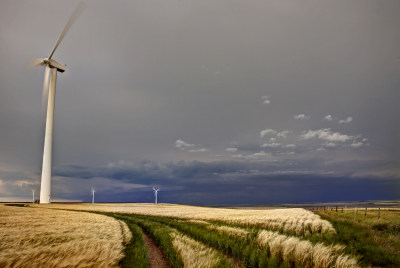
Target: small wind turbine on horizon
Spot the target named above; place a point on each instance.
(92, 191)
(33, 195)
(156, 189)
(52, 67)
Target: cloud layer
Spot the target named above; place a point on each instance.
(280, 101)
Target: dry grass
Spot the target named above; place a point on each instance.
(292, 249)
(293, 220)
(35, 237)
(233, 231)
(193, 253)
(378, 240)
(126, 233)
(198, 222)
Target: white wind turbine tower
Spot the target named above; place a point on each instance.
(92, 190)
(156, 189)
(52, 67)
(33, 195)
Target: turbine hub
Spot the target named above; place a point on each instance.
(55, 64)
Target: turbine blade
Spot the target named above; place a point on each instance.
(45, 89)
(78, 10)
(35, 63)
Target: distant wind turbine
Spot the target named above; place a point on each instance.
(33, 195)
(52, 67)
(92, 190)
(156, 189)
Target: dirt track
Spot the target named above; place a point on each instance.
(156, 255)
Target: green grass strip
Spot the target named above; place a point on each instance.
(136, 254)
(159, 233)
(245, 249)
(376, 243)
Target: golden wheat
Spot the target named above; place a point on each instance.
(233, 231)
(345, 261)
(292, 249)
(126, 233)
(34, 237)
(198, 222)
(293, 220)
(193, 253)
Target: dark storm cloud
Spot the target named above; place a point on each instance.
(234, 182)
(142, 75)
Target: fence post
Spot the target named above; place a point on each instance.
(365, 211)
(336, 208)
(342, 210)
(379, 213)
(355, 210)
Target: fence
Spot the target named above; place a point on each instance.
(342, 209)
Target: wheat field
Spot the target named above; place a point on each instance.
(294, 249)
(65, 235)
(40, 237)
(194, 253)
(292, 220)
(308, 255)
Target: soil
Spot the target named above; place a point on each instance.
(156, 255)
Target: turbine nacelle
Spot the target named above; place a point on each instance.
(54, 64)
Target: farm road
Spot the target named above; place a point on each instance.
(156, 255)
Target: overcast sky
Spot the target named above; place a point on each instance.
(215, 102)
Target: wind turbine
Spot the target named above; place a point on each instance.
(52, 67)
(92, 190)
(156, 189)
(33, 195)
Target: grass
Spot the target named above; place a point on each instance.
(180, 250)
(252, 247)
(375, 241)
(159, 233)
(303, 253)
(196, 254)
(242, 248)
(136, 254)
(37, 237)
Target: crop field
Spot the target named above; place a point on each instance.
(292, 221)
(189, 236)
(376, 241)
(53, 238)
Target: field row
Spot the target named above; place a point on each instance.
(294, 221)
(61, 235)
(198, 243)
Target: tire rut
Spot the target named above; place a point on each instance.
(156, 255)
